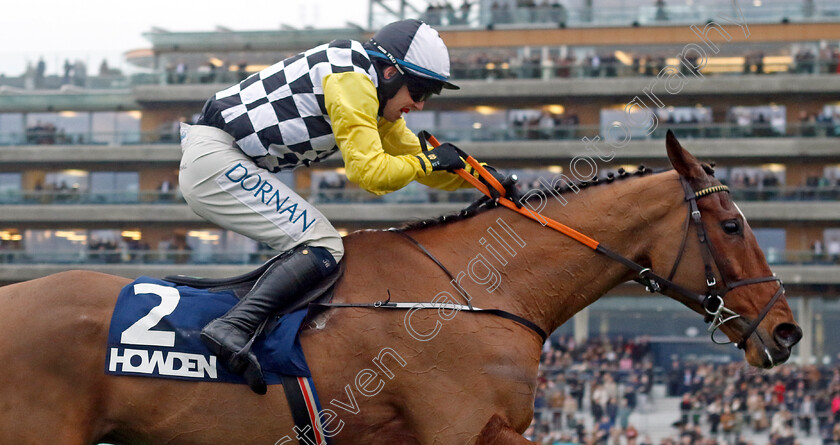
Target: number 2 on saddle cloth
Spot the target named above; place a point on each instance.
(155, 330)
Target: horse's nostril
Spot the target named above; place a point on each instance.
(787, 334)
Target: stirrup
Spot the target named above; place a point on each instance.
(243, 362)
(252, 370)
(239, 361)
(254, 377)
(226, 356)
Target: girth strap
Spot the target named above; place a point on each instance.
(303, 403)
(426, 305)
(498, 312)
(451, 306)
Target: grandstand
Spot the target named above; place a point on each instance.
(89, 168)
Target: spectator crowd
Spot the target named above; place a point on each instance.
(586, 393)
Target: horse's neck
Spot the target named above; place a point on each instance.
(549, 277)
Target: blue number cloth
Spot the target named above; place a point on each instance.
(155, 332)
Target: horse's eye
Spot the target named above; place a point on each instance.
(731, 227)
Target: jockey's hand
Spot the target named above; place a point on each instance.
(508, 182)
(443, 157)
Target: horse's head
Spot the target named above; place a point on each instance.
(740, 295)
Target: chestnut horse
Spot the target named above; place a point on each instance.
(405, 376)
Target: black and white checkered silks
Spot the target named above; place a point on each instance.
(277, 116)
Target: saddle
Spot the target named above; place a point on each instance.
(241, 284)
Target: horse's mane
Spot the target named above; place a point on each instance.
(484, 203)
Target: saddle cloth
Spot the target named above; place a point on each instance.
(155, 332)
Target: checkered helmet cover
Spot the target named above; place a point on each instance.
(417, 48)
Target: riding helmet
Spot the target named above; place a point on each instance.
(416, 50)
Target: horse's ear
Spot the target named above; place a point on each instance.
(684, 162)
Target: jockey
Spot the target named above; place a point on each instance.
(341, 96)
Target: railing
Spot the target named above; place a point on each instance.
(627, 13)
(191, 76)
(105, 138)
(509, 66)
(710, 130)
(320, 196)
(643, 66)
(465, 196)
(353, 195)
(785, 193)
(514, 67)
(124, 255)
(477, 132)
(34, 197)
(803, 257)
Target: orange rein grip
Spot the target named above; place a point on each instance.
(565, 230)
(486, 175)
(562, 228)
(473, 180)
(433, 140)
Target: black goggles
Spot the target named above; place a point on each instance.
(421, 89)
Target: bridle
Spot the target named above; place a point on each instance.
(712, 300)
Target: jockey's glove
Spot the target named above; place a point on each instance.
(443, 157)
(508, 182)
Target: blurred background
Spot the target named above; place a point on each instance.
(90, 105)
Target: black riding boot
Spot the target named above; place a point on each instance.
(230, 336)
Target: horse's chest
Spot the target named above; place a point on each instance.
(511, 387)
(506, 372)
(513, 384)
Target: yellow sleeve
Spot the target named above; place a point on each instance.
(378, 155)
(352, 105)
